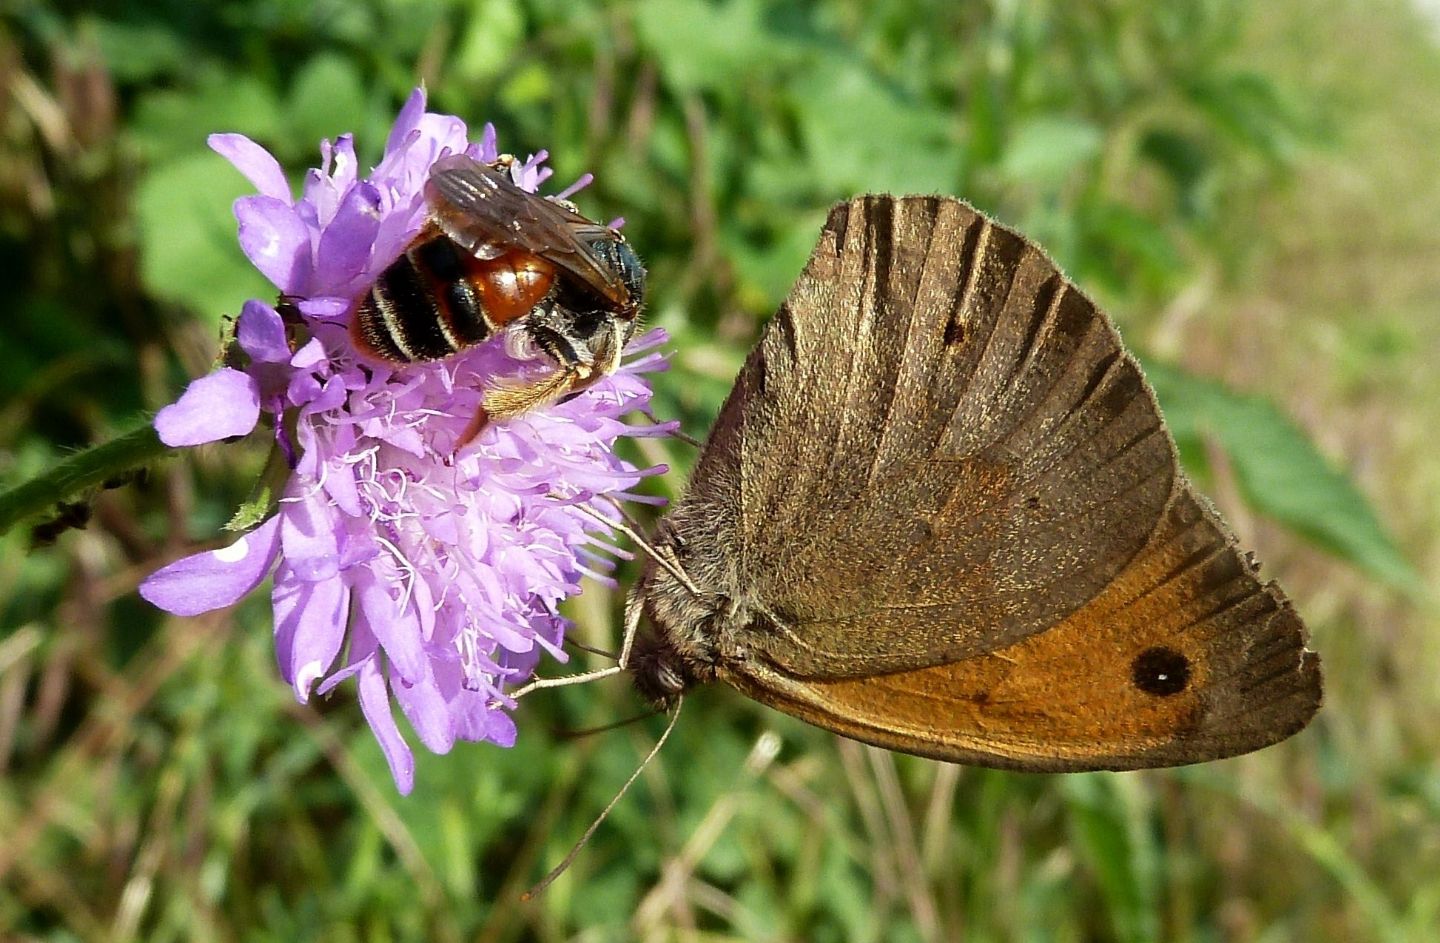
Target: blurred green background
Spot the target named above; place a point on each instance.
(1251, 190)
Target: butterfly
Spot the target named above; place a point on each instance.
(940, 513)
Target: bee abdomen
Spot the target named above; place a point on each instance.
(421, 307)
(462, 316)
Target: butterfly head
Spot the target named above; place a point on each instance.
(660, 672)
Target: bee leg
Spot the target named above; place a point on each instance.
(580, 362)
(505, 402)
(477, 425)
(606, 349)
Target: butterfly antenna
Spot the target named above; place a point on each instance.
(677, 433)
(687, 438)
(592, 649)
(564, 865)
(591, 731)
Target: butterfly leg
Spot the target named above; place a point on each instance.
(634, 607)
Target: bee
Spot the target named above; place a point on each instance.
(492, 257)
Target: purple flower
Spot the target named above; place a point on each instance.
(432, 578)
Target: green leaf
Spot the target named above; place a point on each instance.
(1044, 150)
(1108, 821)
(488, 40)
(187, 235)
(863, 135)
(705, 45)
(1126, 250)
(170, 123)
(1280, 472)
(134, 52)
(768, 270)
(327, 99)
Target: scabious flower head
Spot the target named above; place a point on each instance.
(431, 578)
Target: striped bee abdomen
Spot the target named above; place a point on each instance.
(422, 307)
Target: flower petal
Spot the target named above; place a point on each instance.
(427, 712)
(406, 121)
(309, 628)
(344, 249)
(261, 333)
(309, 532)
(216, 406)
(257, 164)
(397, 629)
(500, 728)
(375, 705)
(215, 578)
(362, 647)
(276, 240)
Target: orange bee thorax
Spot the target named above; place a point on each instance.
(511, 284)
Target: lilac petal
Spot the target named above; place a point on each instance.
(311, 355)
(489, 144)
(276, 240)
(302, 389)
(439, 135)
(216, 406)
(340, 485)
(309, 628)
(344, 248)
(427, 712)
(256, 163)
(359, 543)
(330, 397)
(397, 630)
(362, 646)
(500, 728)
(471, 722)
(406, 121)
(326, 308)
(309, 534)
(375, 705)
(346, 167)
(261, 333)
(215, 578)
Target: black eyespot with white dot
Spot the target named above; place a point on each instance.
(1160, 671)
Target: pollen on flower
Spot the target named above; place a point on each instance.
(432, 579)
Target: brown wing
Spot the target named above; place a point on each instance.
(940, 447)
(481, 208)
(1185, 656)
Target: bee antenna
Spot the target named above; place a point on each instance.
(564, 865)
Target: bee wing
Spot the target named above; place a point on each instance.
(483, 210)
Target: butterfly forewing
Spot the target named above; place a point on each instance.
(941, 446)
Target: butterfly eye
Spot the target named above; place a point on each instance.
(670, 679)
(1160, 671)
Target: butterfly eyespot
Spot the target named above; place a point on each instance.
(1160, 671)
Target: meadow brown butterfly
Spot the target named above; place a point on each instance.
(940, 513)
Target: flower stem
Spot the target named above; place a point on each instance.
(78, 474)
